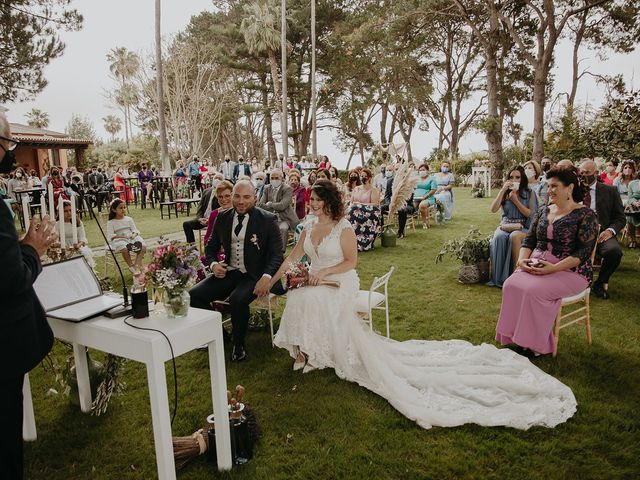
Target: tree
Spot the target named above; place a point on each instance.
(29, 41)
(81, 128)
(124, 65)
(37, 118)
(112, 125)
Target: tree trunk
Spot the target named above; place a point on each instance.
(493, 133)
(383, 122)
(576, 74)
(539, 102)
(272, 154)
(164, 152)
(273, 65)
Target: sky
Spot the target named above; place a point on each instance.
(79, 78)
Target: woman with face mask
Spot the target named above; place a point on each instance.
(364, 212)
(532, 170)
(423, 196)
(444, 192)
(610, 173)
(628, 187)
(518, 204)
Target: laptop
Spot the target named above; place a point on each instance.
(69, 290)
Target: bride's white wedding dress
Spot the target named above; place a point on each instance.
(435, 383)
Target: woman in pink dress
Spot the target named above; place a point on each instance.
(554, 262)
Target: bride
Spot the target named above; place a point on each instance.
(435, 383)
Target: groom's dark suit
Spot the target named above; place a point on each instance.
(261, 254)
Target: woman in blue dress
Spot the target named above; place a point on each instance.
(423, 196)
(519, 204)
(444, 193)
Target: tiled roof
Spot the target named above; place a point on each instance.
(27, 134)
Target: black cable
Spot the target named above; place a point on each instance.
(173, 360)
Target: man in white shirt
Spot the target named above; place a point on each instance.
(226, 168)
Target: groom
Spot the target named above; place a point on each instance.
(252, 254)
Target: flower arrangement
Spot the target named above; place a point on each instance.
(297, 275)
(174, 265)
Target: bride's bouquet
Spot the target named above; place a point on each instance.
(297, 276)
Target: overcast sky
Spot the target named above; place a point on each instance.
(77, 80)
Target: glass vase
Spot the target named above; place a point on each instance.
(176, 302)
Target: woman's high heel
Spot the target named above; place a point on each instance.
(300, 365)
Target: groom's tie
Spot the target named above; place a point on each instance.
(239, 225)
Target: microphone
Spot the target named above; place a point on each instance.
(125, 308)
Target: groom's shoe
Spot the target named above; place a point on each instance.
(599, 291)
(238, 354)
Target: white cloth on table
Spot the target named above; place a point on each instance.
(435, 383)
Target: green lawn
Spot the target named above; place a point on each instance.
(317, 426)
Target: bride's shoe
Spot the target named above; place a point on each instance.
(308, 367)
(299, 365)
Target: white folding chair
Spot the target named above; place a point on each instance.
(372, 299)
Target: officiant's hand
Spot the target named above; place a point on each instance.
(41, 236)
(262, 287)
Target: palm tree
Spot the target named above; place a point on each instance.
(164, 151)
(124, 65)
(262, 35)
(112, 125)
(37, 118)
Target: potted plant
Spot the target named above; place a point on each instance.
(473, 252)
(439, 212)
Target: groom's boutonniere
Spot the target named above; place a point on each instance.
(254, 240)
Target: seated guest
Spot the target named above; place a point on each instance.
(258, 182)
(223, 194)
(95, 185)
(208, 202)
(353, 180)
(59, 186)
(532, 170)
(518, 205)
(423, 196)
(632, 209)
(554, 262)
(444, 192)
(123, 236)
(277, 197)
(145, 181)
(605, 201)
(364, 212)
(82, 243)
(621, 183)
(120, 185)
(609, 175)
(299, 194)
(565, 163)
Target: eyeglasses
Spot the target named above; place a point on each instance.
(12, 144)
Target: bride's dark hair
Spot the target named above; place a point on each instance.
(327, 191)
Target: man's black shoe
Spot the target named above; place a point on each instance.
(238, 354)
(599, 291)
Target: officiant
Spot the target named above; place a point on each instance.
(25, 336)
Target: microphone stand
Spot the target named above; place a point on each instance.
(125, 308)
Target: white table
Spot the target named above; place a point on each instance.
(151, 348)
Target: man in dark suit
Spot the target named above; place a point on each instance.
(606, 202)
(208, 202)
(240, 169)
(25, 336)
(252, 248)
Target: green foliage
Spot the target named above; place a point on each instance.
(470, 249)
(112, 154)
(37, 118)
(29, 40)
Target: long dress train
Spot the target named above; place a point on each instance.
(435, 383)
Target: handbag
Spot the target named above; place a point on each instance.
(510, 227)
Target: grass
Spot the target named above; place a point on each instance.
(317, 426)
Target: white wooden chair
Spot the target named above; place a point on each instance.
(372, 299)
(582, 313)
(261, 303)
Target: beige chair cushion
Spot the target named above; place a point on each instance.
(363, 297)
(575, 298)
